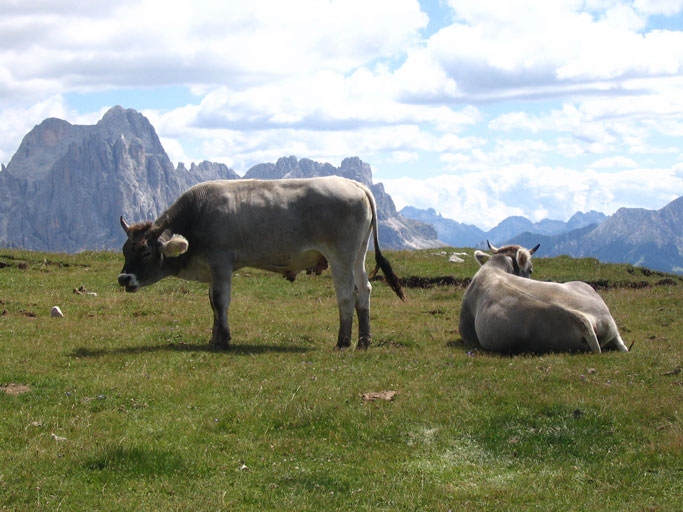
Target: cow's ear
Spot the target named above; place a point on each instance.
(175, 246)
(481, 257)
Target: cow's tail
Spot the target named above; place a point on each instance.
(383, 263)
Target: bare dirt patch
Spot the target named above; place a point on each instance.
(430, 282)
(463, 282)
(14, 389)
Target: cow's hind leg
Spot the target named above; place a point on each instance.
(363, 290)
(344, 287)
(615, 341)
(219, 295)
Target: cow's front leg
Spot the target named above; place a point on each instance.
(219, 295)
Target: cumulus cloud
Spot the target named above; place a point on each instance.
(537, 192)
(499, 50)
(614, 162)
(128, 43)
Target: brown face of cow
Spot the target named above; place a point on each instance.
(145, 253)
(143, 259)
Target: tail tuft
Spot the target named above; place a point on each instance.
(392, 279)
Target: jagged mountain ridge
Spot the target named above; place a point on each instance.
(457, 234)
(67, 185)
(646, 238)
(650, 238)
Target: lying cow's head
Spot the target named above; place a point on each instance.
(516, 258)
(145, 251)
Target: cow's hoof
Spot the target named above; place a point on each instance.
(220, 344)
(363, 343)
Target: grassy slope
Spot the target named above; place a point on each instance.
(147, 416)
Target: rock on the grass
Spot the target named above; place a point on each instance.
(56, 312)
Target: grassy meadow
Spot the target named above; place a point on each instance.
(123, 405)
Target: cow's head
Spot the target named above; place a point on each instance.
(145, 250)
(516, 258)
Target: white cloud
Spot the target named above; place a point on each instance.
(535, 48)
(614, 162)
(666, 7)
(403, 157)
(153, 42)
(486, 198)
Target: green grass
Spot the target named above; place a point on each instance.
(130, 409)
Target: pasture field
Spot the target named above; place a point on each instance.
(123, 405)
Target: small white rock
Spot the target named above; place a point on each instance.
(58, 438)
(454, 258)
(56, 312)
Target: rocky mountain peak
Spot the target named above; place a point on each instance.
(118, 122)
(354, 168)
(45, 143)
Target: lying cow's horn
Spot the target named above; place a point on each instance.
(531, 251)
(493, 249)
(124, 225)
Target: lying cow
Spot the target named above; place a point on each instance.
(285, 226)
(504, 312)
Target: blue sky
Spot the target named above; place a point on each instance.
(479, 109)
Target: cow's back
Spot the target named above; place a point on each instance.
(271, 223)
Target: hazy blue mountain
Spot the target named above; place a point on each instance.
(449, 231)
(647, 238)
(580, 219)
(457, 234)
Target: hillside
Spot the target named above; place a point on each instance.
(67, 185)
(647, 238)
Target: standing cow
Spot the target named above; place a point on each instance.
(285, 226)
(505, 312)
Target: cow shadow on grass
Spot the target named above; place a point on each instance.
(232, 350)
(473, 349)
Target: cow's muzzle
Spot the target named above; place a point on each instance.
(129, 281)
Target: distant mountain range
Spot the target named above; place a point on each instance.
(66, 186)
(456, 234)
(644, 238)
(647, 238)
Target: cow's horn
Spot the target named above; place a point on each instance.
(493, 249)
(531, 251)
(158, 228)
(124, 224)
